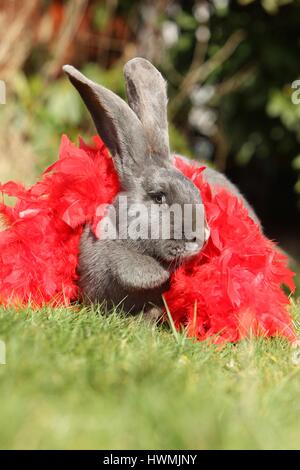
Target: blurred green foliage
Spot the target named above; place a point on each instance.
(230, 66)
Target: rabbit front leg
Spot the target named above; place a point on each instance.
(153, 314)
(143, 279)
(111, 272)
(137, 271)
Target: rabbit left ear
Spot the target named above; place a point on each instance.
(117, 124)
(147, 96)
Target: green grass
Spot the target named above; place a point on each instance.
(83, 380)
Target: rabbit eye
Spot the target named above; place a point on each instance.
(158, 198)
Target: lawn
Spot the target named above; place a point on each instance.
(84, 380)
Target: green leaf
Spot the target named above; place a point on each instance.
(296, 163)
(186, 21)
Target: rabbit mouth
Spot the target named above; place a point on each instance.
(188, 249)
(192, 247)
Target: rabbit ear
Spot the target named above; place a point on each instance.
(116, 123)
(147, 96)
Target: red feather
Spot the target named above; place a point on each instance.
(234, 285)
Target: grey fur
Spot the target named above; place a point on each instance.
(147, 96)
(218, 180)
(127, 272)
(117, 124)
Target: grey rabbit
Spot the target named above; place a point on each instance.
(129, 272)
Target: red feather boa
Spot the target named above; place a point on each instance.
(231, 289)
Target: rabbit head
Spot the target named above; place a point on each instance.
(137, 138)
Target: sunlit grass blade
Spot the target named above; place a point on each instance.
(171, 321)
